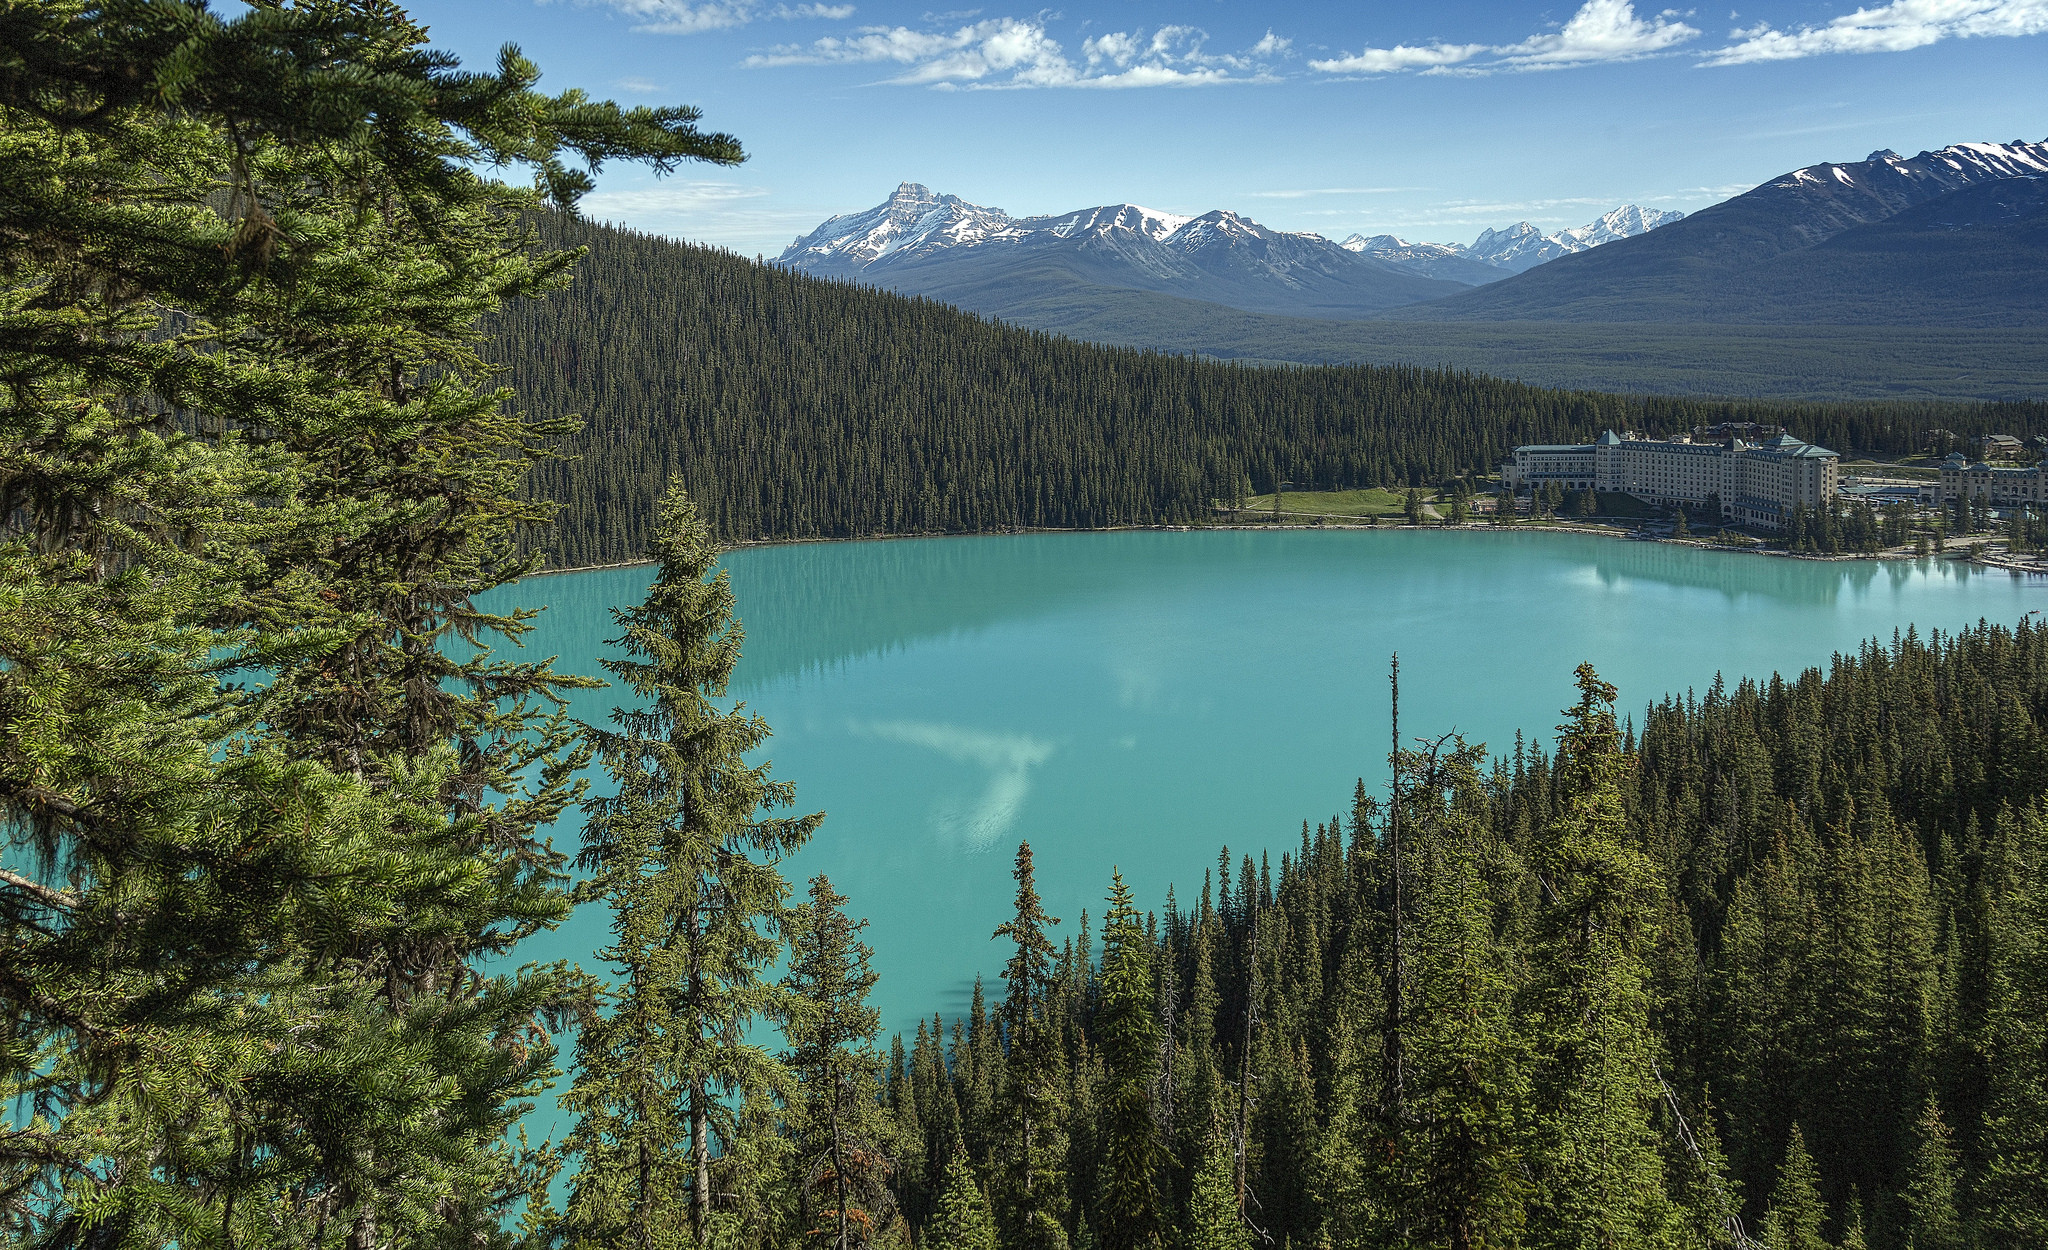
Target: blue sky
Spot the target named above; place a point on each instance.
(1429, 121)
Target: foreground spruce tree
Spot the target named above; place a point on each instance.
(1213, 1222)
(840, 1132)
(1597, 1155)
(1796, 1212)
(962, 1220)
(1030, 1146)
(1127, 1139)
(244, 431)
(1466, 1183)
(689, 864)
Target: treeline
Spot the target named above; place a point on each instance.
(792, 406)
(1774, 968)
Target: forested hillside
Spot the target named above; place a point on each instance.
(796, 407)
(1780, 954)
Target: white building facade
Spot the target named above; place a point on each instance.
(2001, 486)
(1753, 483)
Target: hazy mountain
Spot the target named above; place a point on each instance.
(1886, 240)
(983, 259)
(1497, 253)
(1450, 261)
(928, 243)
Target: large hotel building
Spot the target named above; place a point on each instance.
(1756, 483)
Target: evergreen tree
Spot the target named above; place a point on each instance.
(837, 1120)
(1796, 1214)
(687, 821)
(245, 429)
(1032, 1144)
(962, 1220)
(1930, 1195)
(2015, 1183)
(1587, 1011)
(1129, 1213)
(1213, 1221)
(1463, 1181)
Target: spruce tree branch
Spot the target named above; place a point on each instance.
(60, 899)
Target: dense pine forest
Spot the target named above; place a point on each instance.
(1775, 960)
(1768, 967)
(794, 407)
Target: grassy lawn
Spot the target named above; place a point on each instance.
(1370, 502)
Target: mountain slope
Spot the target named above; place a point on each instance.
(1761, 258)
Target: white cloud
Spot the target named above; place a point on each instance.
(1018, 52)
(1399, 57)
(691, 17)
(1602, 31)
(638, 86)
(1272, 45)
(1894, 27)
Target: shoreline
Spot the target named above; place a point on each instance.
(1591, 531)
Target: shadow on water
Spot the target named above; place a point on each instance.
(1736, 574)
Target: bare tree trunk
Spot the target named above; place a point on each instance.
(838, 1170)
(700, 1148)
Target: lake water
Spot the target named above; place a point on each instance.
(1142, 699)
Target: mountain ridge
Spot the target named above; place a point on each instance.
(1762, 256)
(923, 242)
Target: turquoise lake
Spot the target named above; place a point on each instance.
(1141, 699)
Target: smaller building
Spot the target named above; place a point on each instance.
(1729, 431)
(1537, 465)
(2002, 486)
(2000, 447)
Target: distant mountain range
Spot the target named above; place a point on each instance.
(1497, 253)
(982, 258)
(1914, 276)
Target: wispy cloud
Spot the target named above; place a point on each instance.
(1895, 27)
(1602, 31)
(736, 214)
(1012, 52)
(692, 17)
(1303, 193)
(1009, 759)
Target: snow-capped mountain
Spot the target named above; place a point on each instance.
(912, 222)
(1522, 246)
(1452, 262)
(1949, 237)
(1513, 249)
(982, 258)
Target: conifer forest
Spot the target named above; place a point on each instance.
(290, 376)
(795, 407)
